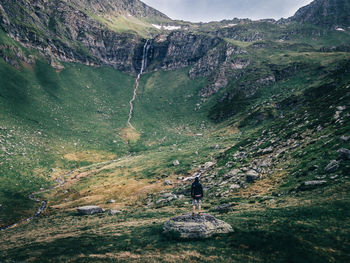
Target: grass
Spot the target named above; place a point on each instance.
(318, 232)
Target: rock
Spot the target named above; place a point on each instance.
(159, 201)
(89, 210)
(167, 182)
(334, 177)
(176, 163)
(252, 176)
(111, 201)
(181, 196)
(214, 147)
(268, 150)
(114, 212)
(208, 165)
(332, 166)
(224, 208)
(344, 138)
(188, 227)
(344, 154)
(235, 186)
(190, 178)
(311, 184)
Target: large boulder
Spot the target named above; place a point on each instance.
(90, 210)
(203, 226)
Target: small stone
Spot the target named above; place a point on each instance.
(114, 212)
(252, 176)
(111, 201)
(208, 165)
(159, 201)
(89, 210)
(235, 186)
(168, 182)
(268, 150)
(311, 184)
(332, 166)
(176, 163)
(214, 147)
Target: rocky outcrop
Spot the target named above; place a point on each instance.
(77, 32)
(188, 227)
(180, 49)
(326, 13)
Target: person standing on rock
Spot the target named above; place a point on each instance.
(197, 195)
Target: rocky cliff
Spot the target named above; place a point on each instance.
(326, 13)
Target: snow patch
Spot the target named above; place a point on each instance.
(230, 25)
(340, 29)
(166, 27)
(157, 26)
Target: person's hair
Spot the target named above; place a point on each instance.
(196, 180)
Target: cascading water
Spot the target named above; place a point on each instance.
(143, 66)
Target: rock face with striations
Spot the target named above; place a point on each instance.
(203, 226)
(326, 13)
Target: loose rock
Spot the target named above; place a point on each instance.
(309, 185)
(89, 210)
(224, 208)
(344, 154)
(332, 166)
(168, 182)
(114, 212)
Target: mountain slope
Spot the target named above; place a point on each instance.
(259, 109)
(325, 13)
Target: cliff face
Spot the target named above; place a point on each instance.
(62, 31)
(326, 13)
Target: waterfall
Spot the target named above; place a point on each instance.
(143, 66)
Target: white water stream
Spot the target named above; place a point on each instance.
(143, 66)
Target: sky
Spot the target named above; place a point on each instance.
(216, 10)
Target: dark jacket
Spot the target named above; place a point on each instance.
(196, 190)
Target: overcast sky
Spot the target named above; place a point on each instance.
(216, 10)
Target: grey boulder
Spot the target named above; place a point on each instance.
(344, 154)
(90, 210)
(332, 166)
(252, 176)
(203, 226)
